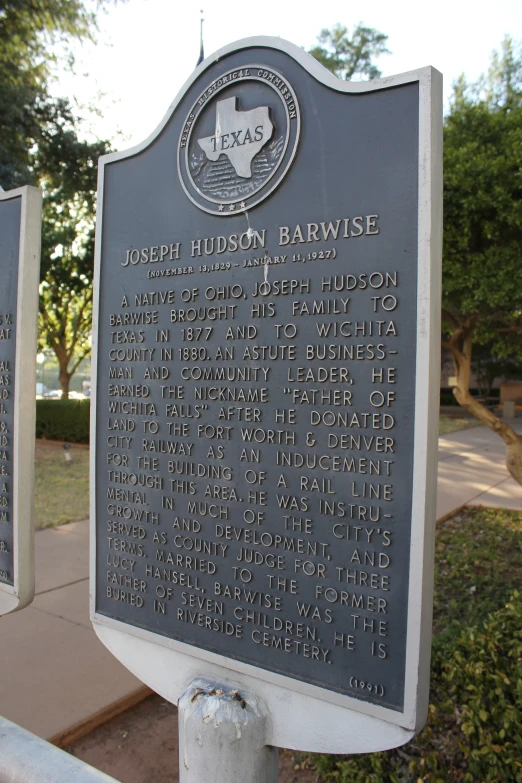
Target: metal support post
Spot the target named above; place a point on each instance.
(222, 736)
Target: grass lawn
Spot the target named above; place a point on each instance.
(62, 488)
(478, 562)
(448, 424)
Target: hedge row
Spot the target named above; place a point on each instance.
(474, 730)
(447, 398)
(66, 420)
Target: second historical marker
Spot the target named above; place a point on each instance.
(20, 218)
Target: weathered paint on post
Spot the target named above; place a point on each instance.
(222, 736)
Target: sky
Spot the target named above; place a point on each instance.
(147, 48)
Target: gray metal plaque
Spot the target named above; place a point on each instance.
(258, 377)
(19, 263)
(10, 223)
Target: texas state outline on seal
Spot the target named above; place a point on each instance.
(239, 135)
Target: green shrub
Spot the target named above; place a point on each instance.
(474, 730)
(447, 398)
(483, 681)
(66, 420)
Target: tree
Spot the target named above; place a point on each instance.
(482, 250)
(40, 143)
(30, 34)
(350, 56)
(66, 167)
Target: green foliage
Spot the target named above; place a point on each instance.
(481, 270)
(41, 144)
(30, 31)
(487, 368)
(66, 420)
(67, 170)
(503, 84)
(66, 167)
(348, 56)
(482, 273)
(484, 676)
(447, 397)
(474, 729)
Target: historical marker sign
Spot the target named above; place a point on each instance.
(19, 267)
(266, 359)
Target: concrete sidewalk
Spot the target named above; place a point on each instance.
(59, 681)
(57, 676)
(472, 472)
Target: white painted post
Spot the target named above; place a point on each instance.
(508, 409)
(222, 736)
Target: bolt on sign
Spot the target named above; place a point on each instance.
(20, 216)
(264, 429)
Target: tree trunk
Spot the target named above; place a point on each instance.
(462, 359)
(64, 376)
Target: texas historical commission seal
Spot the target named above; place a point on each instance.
(238, 140)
